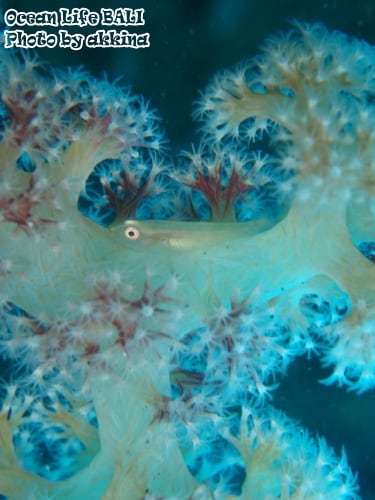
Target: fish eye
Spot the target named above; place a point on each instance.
(131, 233)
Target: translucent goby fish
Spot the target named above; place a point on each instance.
(186, 234)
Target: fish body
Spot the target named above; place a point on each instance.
(185, 234)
